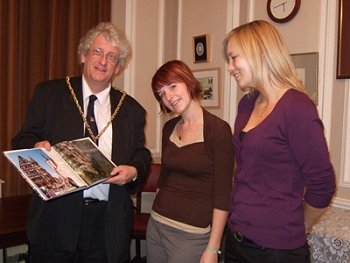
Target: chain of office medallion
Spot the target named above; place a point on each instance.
(95, 138)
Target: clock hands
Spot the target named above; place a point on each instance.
(282, 11)
(282, 4)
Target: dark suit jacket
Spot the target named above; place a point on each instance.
(52, 115)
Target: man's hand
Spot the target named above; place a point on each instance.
(43, 144)
(122, 174)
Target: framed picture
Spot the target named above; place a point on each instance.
(343, 64)
(200, 49)
(209, 81)
(307, 70)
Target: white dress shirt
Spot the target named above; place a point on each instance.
(102, 111)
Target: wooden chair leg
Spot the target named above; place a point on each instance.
(4, 255)
(138, 247)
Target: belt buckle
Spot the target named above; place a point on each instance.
(90, 201)
(238, 236)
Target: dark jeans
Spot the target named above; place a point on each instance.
(241, 250)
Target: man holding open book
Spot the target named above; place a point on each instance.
(92, 225)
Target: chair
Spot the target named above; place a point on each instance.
(141, 218)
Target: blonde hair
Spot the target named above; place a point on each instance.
(266, 53)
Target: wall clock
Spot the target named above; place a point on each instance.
(281, 11)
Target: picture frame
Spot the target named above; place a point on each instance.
(343, 62)
(200, 48)
(209, 81)
(307, 69)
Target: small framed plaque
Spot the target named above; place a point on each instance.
(200, 49)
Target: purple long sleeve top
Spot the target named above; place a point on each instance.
(279, 163)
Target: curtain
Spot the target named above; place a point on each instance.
(38, 41)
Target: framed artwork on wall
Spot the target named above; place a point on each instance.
(200, 49)
(307, 70)
(209, 81)
(343, 63)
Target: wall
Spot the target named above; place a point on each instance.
(161, 30)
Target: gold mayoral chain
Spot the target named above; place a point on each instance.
(95, 138)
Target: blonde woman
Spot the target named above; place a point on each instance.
(283, 180)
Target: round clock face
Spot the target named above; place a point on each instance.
(282, 11)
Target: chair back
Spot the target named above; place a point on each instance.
(141, 219)
(150, 184)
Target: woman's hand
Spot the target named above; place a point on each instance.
(209, 257)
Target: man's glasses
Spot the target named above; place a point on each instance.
(113, 58)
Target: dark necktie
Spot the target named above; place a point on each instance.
(90, 117)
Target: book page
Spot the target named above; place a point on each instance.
(87, 161)
(69, 166)
(45, 172)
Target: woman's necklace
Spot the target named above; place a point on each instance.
(191, 130)
(95, 138)
(263, 109)
(262, 113)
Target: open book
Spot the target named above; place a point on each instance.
(70, 166)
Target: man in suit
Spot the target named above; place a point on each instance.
(92, 225)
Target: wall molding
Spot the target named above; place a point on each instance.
(328, 46)
(329, 27)
(341, 203)
(130, 30)
(179, 29)
(344, 180)
(231, 87)
(156, 150)
(327, 49)
(129, 19)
